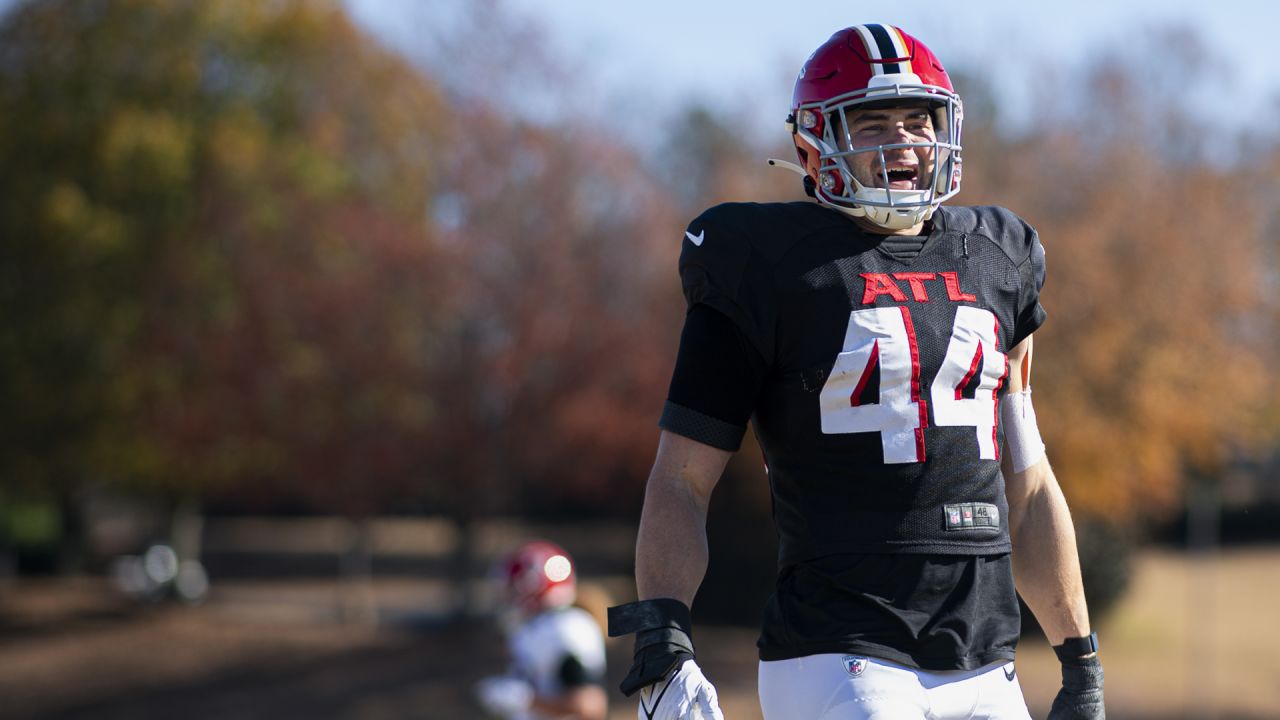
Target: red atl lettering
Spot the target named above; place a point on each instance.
(954, 293)
(880, 284)
(916, 281)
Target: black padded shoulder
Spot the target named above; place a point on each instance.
(1001, 226)
(729, 255)
(731, 251)
(769, 229)
(727, 238)
(1020, 243)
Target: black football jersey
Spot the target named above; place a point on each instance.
(879, 415)
(873, 381)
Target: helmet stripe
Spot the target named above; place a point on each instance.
(888, 54)
(900, 43)
(873, 50)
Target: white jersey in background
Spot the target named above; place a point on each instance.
(557, 650)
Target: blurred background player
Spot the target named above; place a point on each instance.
(556, 648)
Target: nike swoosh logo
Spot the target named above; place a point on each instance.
(1010, 673)
(696, 239)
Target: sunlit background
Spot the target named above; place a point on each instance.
(308, 310)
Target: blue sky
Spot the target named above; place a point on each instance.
(744, 53)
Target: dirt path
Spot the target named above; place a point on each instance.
(74, 649)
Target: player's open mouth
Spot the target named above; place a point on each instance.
(900, 178)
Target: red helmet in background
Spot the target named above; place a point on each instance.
(537, 576)
(858, 67)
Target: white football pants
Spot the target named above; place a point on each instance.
(854, 687)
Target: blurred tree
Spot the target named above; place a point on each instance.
(704, 159)
(274, 262)
(217, 266)
(562, 245)
(1153, 361)
(559, 344)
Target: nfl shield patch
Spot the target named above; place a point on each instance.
(855, 664)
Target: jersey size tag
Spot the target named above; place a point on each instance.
(971, 516)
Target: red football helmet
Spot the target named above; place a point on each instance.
(857, 67)
(538, 576)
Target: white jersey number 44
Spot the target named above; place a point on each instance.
(884, 339)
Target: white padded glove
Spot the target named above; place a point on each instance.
(504, 696)
(686, 695)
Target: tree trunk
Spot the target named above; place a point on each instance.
(187, 530)
(72, 539)
(357, 601)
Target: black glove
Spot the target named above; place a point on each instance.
(1081, 695)
(663, 642)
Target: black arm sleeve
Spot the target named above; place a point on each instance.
(716, 381)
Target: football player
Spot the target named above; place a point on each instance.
(557, 649)
(880, 344)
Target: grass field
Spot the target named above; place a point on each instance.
(1195, 638)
